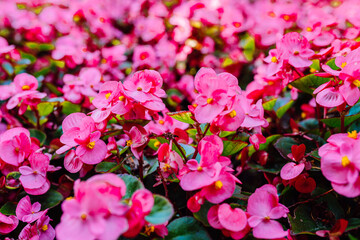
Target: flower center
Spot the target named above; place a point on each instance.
(91, 145)
(44, 227)
(209, 100)
(286, 17)
(129, 142)
(149, 230)
(107, 95)
(122, 98)
(343, 64)
(352, 134)
(356, 83)
(25, 87)
(296, 53)
(144, 55)
(232, 114)
(83, 216)
(139, 89)
(218, 185)
(309, 29)
(157, 144)
(161, 122)
(199, 168)
(345, 161)
(166, 167)
(267, 218)
(274, 59)
(237, 24)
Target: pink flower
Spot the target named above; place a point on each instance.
(145, 87)
(95, 212)
(225, 217)
(170, 161)
(340, 163)
(7, 223)
(293, 169)
(25, 82)
(264, 206)
(138, 139)
(142, 202)
(33, 177)
(215, 92)
(79, 131)
(41, 230)
(27, 212)
(144, 55)
(15, 145)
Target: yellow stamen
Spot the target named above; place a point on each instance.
(343, 64)
(122, 98)
(352, 134)
(157, 144)
(218, 185)
(129, 142)
(107, 95)
(83, 216)
(166, 167)
(309, 29)
(103, 61)
(161, 122)
(199, 168)
(25, 87)
(267, 218)
(303, 115)
(91, 145)
(237, 24)
(345, 161)
(139, 89)
(194, 105)
(149, 230)
(17, 149)
(209, 100)
(286, 17)
(274, 59)
(44, 228)
(101, 19)
(232, 114)
(356, 83)
(69, 198)
(272, 14)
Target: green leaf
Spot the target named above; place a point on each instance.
(48, 200)
(8, 208)
(186, 228)
(68, 108)
(336, 121)
(302, 222)
(39, 135)
(104, 167)
(353, 223)
(161, 212)
(248, 44)
(132, 184)
(182, 116)
(308, 83)
(45, 108)
(283, 109)
(315, 65)
(201, 215)
(233, 146)
(8, 68)
(331, 63)
(269, 105)
(283, 145)
(40, 46)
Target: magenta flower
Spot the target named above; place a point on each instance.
(293, 169)
(264, 207)
(95, 212)
(145, 87)
(138, 139)
(41, 230)
(33, 177)
(79, 131)
(15, 145)
(7, 223)
(27, 212)
(214, 93)
(340, 163)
